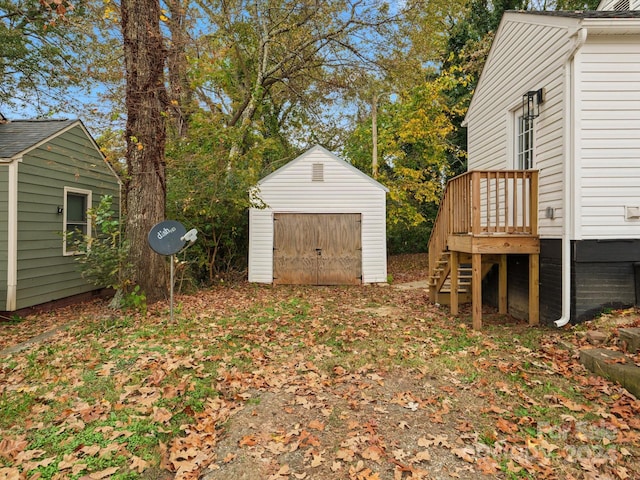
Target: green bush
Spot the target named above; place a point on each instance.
(103, 256)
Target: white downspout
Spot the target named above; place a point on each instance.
(567, 207)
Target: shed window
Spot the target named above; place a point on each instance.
(524, 160)
(317, 174)
(76, 221)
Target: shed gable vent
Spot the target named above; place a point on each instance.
(621, 6)
(317, 172)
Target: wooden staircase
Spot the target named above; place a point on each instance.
(440, 281)
(483, 217)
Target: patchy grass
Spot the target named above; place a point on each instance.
(263, 382)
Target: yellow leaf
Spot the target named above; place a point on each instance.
(248, 440)
(90, 450)
(102, 474)
(78, 467)
(372, 453)
(316, 425)
(161, 414)
(512, 467)
(464, 453)
(422, 456)
(317, 460)
(10, 473)
(488, 465)
(138, 464)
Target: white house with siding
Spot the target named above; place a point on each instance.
(578, 75)
(323, 222)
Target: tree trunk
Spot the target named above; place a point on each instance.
(145, 184)
(180, 90)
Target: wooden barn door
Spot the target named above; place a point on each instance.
(317, 249)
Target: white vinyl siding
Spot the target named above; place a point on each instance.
(515, 66)
(344, 189)
(619, 5)
(609, 137)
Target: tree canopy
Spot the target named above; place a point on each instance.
(241, 87)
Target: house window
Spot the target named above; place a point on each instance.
(76, 221)
(525, 143)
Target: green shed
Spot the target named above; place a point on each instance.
(51, 173)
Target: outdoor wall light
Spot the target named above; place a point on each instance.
(531, 103)
(60, 210)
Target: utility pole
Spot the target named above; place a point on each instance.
(374, 135)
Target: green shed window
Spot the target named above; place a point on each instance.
(76, 221)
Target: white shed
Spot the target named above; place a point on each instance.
(324, 223)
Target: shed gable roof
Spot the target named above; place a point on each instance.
(330, 156)
(20, 135)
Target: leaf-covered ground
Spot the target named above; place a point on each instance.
(262, 382)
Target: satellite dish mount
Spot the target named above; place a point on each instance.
(168, 238)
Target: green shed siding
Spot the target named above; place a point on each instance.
(4, 190)
(67, 160)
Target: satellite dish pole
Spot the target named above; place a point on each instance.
(168, 238)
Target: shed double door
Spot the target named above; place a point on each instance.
(317, 249)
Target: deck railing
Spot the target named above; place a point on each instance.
(486, 202)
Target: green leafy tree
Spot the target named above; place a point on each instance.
(40, 46)
(205, 195)
(283, 59)
(413, 148)
(103, 256)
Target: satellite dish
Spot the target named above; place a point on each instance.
(167, 238)
(191, 236)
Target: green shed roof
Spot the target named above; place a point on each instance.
(19, 135)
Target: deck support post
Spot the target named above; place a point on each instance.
(454, 259)
(476, 290)
(502, 285)
(534, 292)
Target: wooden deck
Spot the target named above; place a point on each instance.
(484, 217)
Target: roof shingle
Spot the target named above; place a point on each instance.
(19, 135)
(604, 14)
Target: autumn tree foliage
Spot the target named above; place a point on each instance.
(38, 45)
(219, 94)
(262, 78)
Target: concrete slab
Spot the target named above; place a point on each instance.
(614, 366)
(412, 285)
(43, 337)
(631, 339)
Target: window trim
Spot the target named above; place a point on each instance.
(77, 191)
(524, 155)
